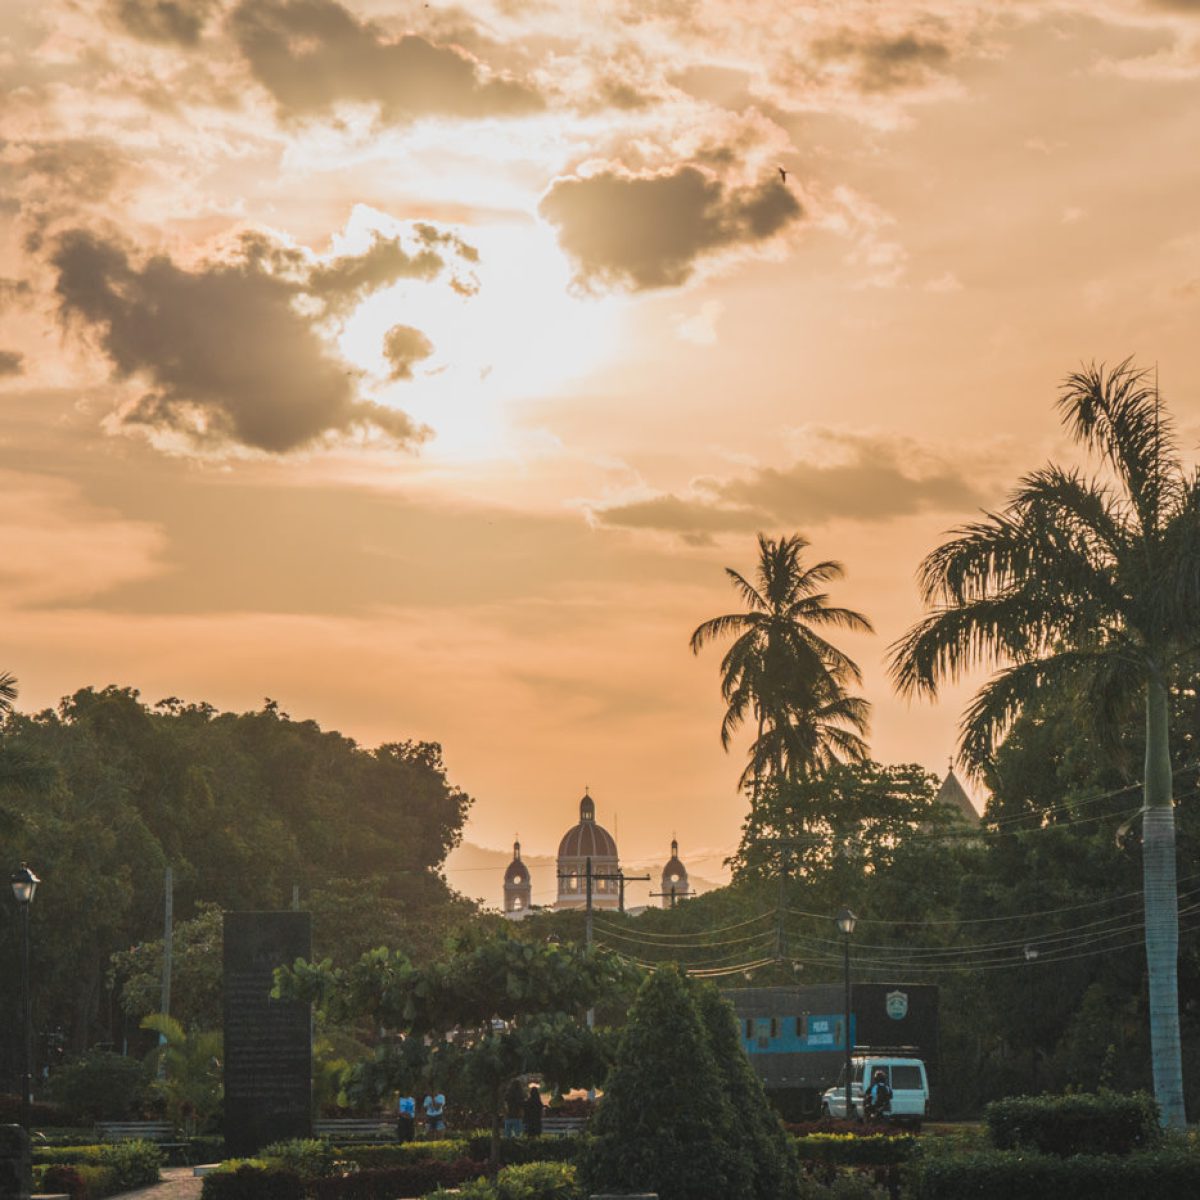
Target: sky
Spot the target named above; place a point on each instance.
(422, 366)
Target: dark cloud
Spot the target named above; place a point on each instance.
(312, 55)
(231, 356)
(179, 21)
(885, 63)
(873, 482)
(403, 346)
(11, 363)
(649, 231)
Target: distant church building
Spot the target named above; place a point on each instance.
(674, 879)
(518, 891)
(953, 796)
(581, 842)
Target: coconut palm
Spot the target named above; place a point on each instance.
(8, 693)
(781, 672)
(1091, 583)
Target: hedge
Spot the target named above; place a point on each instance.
(398, 1154)
(520, 1150)
(133, 1164)
(386, 1183)
(1081, 1123)
(848, 1150)
(249, 1181)
(1002, 1175)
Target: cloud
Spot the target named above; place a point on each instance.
(313, 55)
(11, 363)
(179, 21)
(860, 478)
(402, 347)
(885, 63)
(231, 348)
(649, 231)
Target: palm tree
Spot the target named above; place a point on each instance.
(781, 672)
(1092, 583)
(8, 693)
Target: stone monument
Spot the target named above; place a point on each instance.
(268, 1043)
(16, 1165)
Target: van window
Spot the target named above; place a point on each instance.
(907, 1079)
(857, 1076)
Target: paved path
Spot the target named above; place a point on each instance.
(177, 1183)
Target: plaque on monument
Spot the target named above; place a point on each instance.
(268, 1043)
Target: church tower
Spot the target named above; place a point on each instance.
(581, 842)
(518, 892)
(674, 879)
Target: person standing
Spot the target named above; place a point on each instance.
(879, 1096)
(406, 1118)
(435, 1114)
(533, 1112)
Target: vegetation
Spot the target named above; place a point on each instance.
(1089, 586)
(1078, 1123)
(782, 673)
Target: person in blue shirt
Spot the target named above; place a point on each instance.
(879, 1096)
(435, 1110)
(406, 1119)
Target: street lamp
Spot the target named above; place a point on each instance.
(1031, 954)
(24, 884)
(845, 924)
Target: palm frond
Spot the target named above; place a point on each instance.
(8, 692)
(717, 627)
(1118, 415)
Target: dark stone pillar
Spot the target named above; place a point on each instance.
(268, 1043)
(16, 1164)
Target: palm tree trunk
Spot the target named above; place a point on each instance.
(1161, 907)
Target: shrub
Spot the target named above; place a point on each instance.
(1099, 1123)
(135, 1164)
(415, 1179)
(514, 1151)
(310, 1158)
(81, 1182)
(101, 1086)
(538, 1181)
(50, 1116)
(67, 1154)
(397, 1154)
(248, 1181)
(871, 1150)
(1002, 1175)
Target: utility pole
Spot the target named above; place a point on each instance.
(168, 939)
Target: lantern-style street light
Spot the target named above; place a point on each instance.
(845, 923)
(24, 885)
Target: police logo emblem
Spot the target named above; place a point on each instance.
(897, 1005)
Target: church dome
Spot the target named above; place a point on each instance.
(517, 873)
(674, 872)
(587, 839)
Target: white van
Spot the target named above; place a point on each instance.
(906, 1077)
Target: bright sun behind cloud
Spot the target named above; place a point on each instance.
(521, 334)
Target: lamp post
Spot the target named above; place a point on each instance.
(24, 884)
(845, 923)
(1031, 954)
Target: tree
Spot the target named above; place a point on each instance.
(666, 1124)
(495, 1008)
(1092, 584)
(781, 672)
(190, 1077)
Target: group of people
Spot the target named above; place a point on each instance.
(433, 1116)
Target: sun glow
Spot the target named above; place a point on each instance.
(519, 336)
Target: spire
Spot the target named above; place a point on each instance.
(587, 807)
(517, 849)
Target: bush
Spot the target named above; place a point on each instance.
(101, 1086)
(398, 1154)
(135, 1164)
(1099, 1123)
(67, 1154)
(310, 1158)
(82, 1182)
(514, 1151)
(415, 1179)
(871, 1150)
(1002, 1175)
(50, 1116)
(538, 1181)
(249, 1181)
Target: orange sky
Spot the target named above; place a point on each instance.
(420, 366)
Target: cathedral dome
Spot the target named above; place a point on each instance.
(587, 839)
